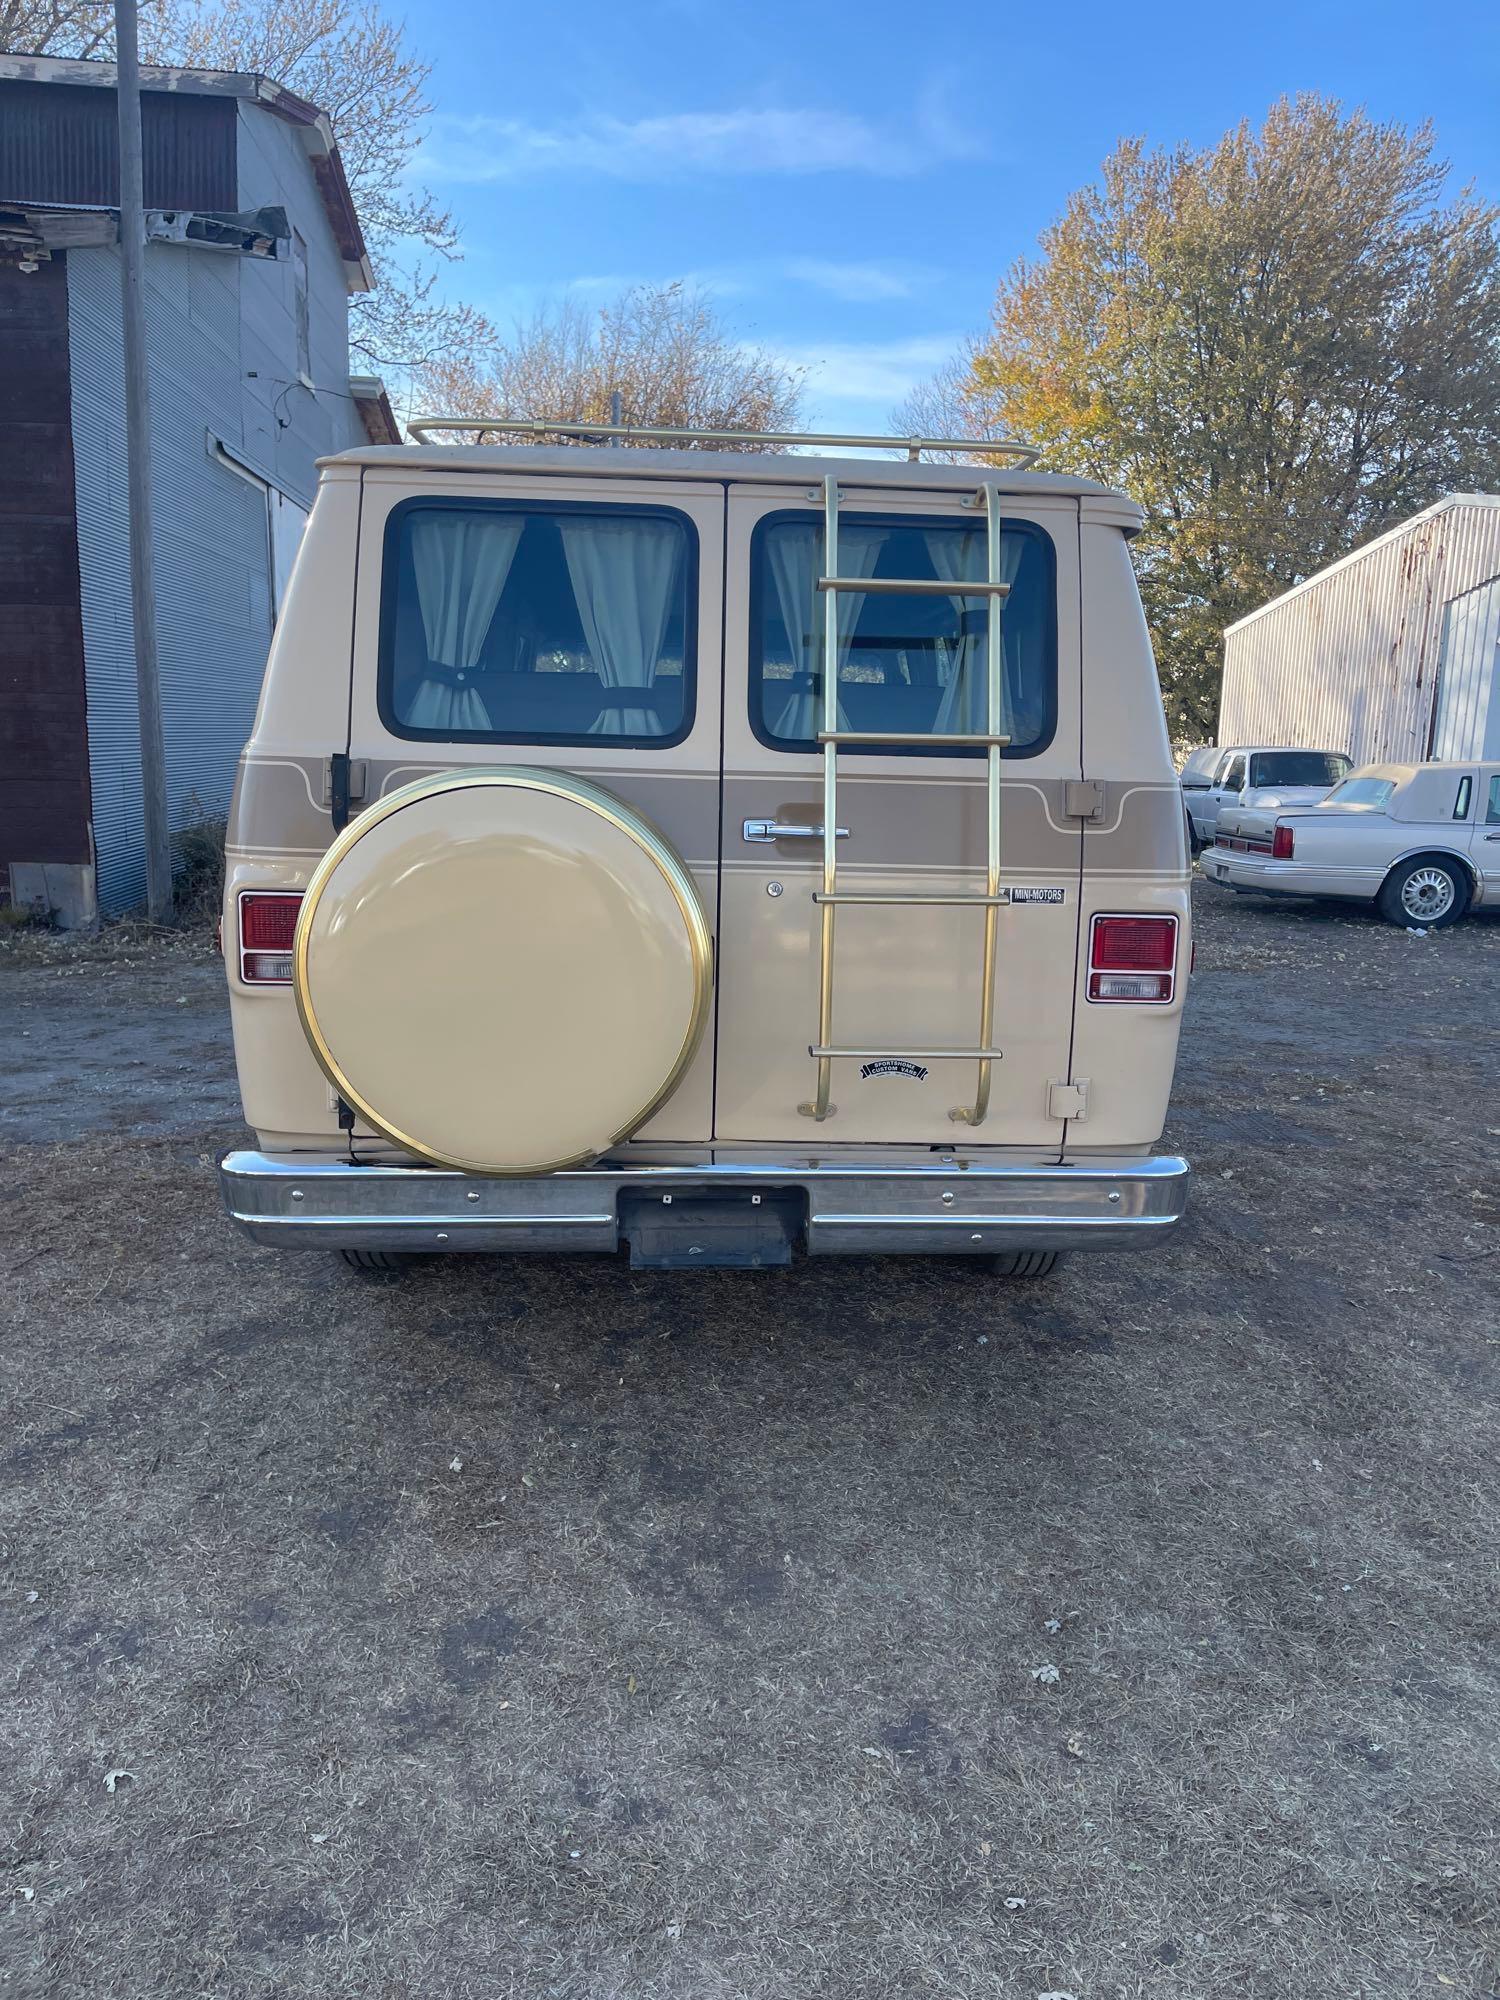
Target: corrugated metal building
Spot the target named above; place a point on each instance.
(253, 250)
(1390, 654)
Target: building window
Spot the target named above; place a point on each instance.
(537, 623)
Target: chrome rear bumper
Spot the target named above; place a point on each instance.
(304, 1201)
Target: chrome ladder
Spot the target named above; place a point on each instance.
(829, 899)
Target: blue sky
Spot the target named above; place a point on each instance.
(849, 181)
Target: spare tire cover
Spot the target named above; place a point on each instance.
(503, 970)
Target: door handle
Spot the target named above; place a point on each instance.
(1488, 836)
(781, 829)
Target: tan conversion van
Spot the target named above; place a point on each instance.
(707, 851)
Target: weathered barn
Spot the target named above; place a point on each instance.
(1390, 654)
(253, 249)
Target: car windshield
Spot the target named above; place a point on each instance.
(1362, 792)
(1297, 767)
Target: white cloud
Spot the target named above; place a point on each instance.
(877, 372)
(763, 279)
(858, 281)
(719, 281)
(740, 140)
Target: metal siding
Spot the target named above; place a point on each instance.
(274, 172)
(104, 573)
(210, 544)
(222, 341)
(60, 143)
(1348, 661)
(1468, 702)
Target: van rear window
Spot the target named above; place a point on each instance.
(538, 623)
(911, 663)
(1362, 792)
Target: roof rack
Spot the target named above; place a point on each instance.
(419, 430)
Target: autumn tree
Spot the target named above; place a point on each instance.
(1279, 345)
(354, 62)
(661, 348)
(953, 403)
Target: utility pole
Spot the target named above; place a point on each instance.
(138, 466)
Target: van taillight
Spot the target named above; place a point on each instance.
(1132, 958)
(267, 926)
(1283, 843)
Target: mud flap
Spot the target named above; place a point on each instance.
(735, 1230)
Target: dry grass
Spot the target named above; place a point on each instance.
(198, 869)
(710, 1672)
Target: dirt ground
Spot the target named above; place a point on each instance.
(863, 1630)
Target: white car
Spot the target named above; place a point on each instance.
(1215, 778)
(1420, 841)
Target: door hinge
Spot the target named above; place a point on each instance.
(343, 783)
(1084, 798)
(1069, 1100)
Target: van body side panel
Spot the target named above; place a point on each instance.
(1135, 859)
(904, 977)
(304, 699)
(279, 824)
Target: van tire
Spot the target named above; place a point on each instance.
(1025, 1263)
(378, 1260)
(1393, 900)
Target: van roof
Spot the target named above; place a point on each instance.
(752, 468)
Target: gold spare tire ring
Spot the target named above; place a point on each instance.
(556, 784)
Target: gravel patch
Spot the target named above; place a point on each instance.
(867, 1629)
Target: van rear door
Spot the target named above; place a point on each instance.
(540, 617)
(906, 974)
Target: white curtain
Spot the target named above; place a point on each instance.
(460, 562)
(796, 557)
(623, 573)
(959, 558)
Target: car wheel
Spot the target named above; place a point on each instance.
(378, 1260)
(1426, 893)
(1025, 1263)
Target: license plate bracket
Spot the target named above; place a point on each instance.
(736, 1229)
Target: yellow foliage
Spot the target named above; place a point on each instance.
(1279, 345)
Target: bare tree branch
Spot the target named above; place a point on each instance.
(663, 349)
(353, 61)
